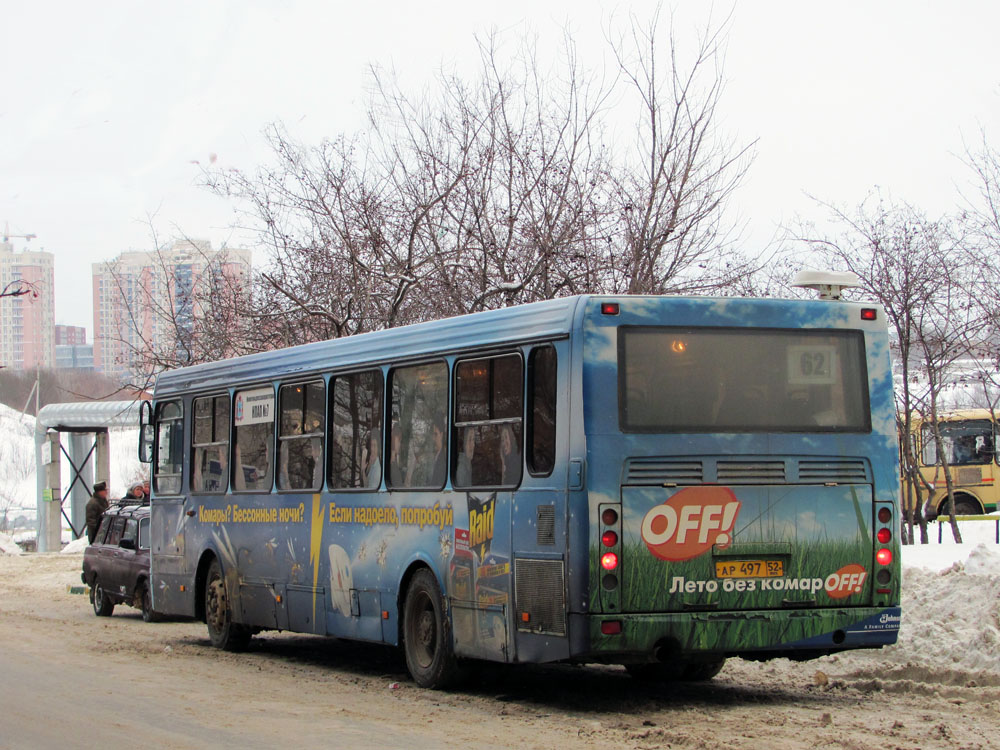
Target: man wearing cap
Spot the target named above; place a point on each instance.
(96, 506)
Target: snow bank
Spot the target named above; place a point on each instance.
(951, 618)
(7, 546)
(76, 547)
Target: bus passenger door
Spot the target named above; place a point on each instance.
(170, 508)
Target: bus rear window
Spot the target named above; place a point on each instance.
(742, 380)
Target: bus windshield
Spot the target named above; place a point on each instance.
(742, 380)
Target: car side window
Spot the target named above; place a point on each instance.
(115, 533)
(102, 530)
(144, 533)
(131, 531)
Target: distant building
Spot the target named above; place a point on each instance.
(71, 335)
(76, 356)
(27, 321)
(141, 298)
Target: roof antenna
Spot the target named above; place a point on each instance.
(829, 284)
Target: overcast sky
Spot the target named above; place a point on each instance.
(104, 106)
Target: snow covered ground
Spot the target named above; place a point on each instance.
(951, 592)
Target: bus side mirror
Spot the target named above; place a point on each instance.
(147, 432)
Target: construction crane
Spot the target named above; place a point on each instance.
(7, 235)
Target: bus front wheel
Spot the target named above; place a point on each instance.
(222, 631)
(430, 658)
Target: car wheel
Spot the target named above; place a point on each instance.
(148, 615)
(427, 645)
(222, 631)
(103, 606)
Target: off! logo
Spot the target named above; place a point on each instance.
(846, 581)
(690, 523)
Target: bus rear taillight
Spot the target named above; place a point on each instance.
(884, 557)
(884, 536)
(609, 308)
(611, 542)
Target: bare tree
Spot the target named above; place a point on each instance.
(19, 288)
(495, 189)
(669, 199)
(915, 267)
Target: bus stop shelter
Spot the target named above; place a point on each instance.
(87, 452)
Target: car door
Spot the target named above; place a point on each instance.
(123, 579)
(107, 557)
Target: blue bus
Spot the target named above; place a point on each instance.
(657, 482)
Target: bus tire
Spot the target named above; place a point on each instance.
(430, 658)
(965, 506)
(702, 671)
(656, 671)
(222, 631)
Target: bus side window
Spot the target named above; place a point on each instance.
(169, 448)
(300, 440)
(488, 422)
(356, 430)
(210, 444)
(541, 410)
(418, 456)
(928, 455)
(253, 430)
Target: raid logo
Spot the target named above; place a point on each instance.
(481, 512)
(690, 523)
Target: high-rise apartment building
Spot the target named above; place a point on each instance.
(27, 321)
(141, 298)
(71, 335)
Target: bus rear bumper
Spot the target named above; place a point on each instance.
(792, 634)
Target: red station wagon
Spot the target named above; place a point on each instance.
(116, 565)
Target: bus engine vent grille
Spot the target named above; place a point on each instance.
(658, 471)
(545, 527)
(539, 588)
(830, 472)
(750, 472)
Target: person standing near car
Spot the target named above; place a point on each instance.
(96, 506)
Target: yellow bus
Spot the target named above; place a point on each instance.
(969, 441)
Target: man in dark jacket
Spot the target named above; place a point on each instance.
(96, 506)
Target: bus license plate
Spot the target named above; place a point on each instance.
(749, 569)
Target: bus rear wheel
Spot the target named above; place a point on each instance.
(222, 631)
(702, 671)
(430, 658)
(676, 671)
